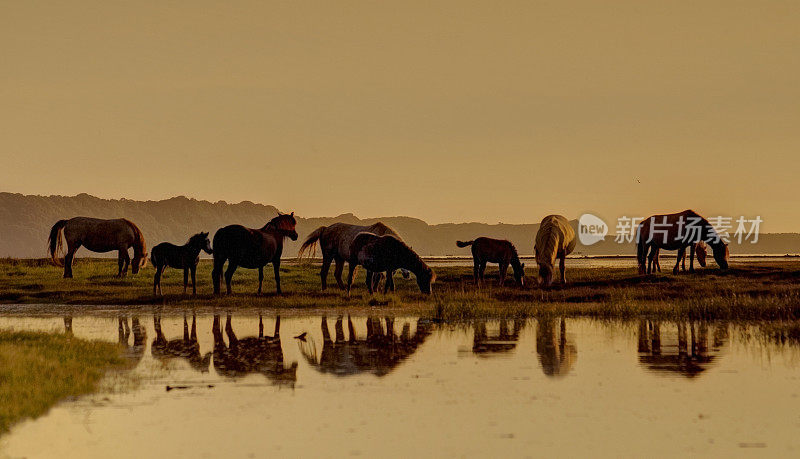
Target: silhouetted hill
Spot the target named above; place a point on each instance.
(25, 222)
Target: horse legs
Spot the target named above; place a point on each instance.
(350, 271)
(229, 275)
(651, 259)
(157, 280)
(563, 268)
(185, 279)
(369, 276)
(481, 270)
(691, 259)
(193, 271)
(323, 273)
(276, 267)
(476, 266)
(386, 286)
(389, 282)
(68, 260)
(260, 279)
(503, 270)
(681, 254)
(123, 261)
(337, 273)
(216, 274)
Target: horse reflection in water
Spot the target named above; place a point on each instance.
(261, 354)
(186, 347)
(686, 353)
(485, 345)
(378, 354)
(134, 351)
(557, 353)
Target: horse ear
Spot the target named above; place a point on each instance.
(292, 214)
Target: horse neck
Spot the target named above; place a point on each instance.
(193, 249)
(515, 261)
(412, 262)
(273, 231)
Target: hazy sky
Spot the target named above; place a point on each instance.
(447, 111)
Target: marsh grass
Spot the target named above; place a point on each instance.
(760, 290)
(39, 369)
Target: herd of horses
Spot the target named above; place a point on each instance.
(377, 248)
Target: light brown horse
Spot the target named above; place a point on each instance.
(677, 232)
(335, 241)
(98, 236)
(555, 239)
(488, 250)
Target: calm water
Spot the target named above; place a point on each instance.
(407, 386)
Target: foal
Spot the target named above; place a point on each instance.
(183, 257)
(499, 251)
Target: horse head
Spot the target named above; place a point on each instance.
(519, 273)
(545, 274)
(701, 250)
(285, 224)
(201, 241)
(424, 280)
(139, 261)
(721, 253)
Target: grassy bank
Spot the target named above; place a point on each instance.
(39, 369)
(758, 290)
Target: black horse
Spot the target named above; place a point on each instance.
(252, 248)
(183, 257)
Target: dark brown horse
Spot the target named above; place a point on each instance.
(183, 257)
(386, 254)
(335, 241)
(255, 354)
(252, 248)
(98, 236)
(488, 250)
(677, 232)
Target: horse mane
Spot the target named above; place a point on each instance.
(546, 254)
(139, 247)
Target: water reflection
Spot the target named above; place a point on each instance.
(186, 347)
(379, 353)
(679, 348)
(485, 344)
(556, 350)
(255, 354)
(135, 351)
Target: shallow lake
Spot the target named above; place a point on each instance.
(408, 386)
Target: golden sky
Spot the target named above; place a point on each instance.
(447, 111)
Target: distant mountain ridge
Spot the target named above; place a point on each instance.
(25, 222)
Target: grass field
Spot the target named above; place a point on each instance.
(39, 369)
(762, 290)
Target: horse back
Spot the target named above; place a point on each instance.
(100, 235)
(493, 250)
(248, 247)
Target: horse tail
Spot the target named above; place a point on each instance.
(464, 243)
(54, 241)
(139, 244)
(310, 242)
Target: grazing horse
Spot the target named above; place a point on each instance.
(386, 254)
(98, 236)
(700, 249)
(677, 232)
(252, 248)
(335, 241)
(499, 251)
(183, 257)
(555, 239)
